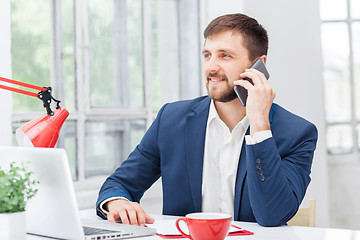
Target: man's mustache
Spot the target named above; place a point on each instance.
(217, 75)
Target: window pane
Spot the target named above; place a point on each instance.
(155, 57)
(67, 140)
(335, 46)
(101, 18)
(356, 55)
(30, 49)
(134, 29)
(68, 54)
(116, 76)
(339, 139)
(165, 53)
(355, 8)
(333, 9)
(108, 143)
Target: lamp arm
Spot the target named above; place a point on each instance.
(20, 84)
(19, 91)
(44, 95)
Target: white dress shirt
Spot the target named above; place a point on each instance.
(221, 159)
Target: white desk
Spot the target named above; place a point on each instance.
(263, 233)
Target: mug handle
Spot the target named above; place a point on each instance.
(178, 227)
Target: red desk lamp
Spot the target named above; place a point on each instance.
(42, 131)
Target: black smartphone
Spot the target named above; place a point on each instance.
(242, 92)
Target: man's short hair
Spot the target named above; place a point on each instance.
(255, 36)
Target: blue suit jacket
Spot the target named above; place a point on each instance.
(272, 176)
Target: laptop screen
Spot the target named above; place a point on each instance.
(53, 212)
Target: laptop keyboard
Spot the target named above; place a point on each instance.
(97, 231)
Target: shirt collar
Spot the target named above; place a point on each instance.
(244, 123)
(213, 114)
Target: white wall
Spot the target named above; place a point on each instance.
(5, 71)
(210, 9)
(295, 66)
(344, 193)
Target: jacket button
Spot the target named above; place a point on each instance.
(258, 166)
(262, 177)
(258, 160)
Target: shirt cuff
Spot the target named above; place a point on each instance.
(108, 200)
(258, 137)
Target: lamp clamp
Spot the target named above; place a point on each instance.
(46, 97)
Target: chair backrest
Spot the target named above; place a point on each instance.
(305, 216)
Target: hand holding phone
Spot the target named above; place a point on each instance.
(240, 91)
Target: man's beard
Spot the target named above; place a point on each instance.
(227, 94)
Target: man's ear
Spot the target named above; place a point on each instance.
(263, 58)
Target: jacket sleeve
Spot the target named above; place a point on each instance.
(137, 173)
(277, 183)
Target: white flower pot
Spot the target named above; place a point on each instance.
(13, 226)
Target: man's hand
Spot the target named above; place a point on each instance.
(260, 98)
(128, 212)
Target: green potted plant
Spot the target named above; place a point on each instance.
(16, 188)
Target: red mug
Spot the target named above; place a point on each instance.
(206, 226)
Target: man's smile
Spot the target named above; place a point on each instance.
(215, 80)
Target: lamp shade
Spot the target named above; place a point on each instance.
(42, 131)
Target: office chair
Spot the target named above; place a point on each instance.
(305, 216)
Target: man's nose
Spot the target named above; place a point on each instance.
(212, 65)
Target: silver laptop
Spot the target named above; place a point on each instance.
(53, 212)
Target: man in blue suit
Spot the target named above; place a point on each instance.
(213, 154)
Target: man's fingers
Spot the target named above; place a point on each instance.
(124, 216)
(132, 214)
(128, 212)
(244, 83)
(256, 76)
(149, 219)
(140, 214)
(111, 217)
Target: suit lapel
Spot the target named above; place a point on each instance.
(195, 131)
(240, 178)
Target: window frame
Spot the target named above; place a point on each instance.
(82, 75)
(186, 55)
(82, 78)
(353, 154)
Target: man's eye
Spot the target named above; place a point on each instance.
(224, 55)
(207, 55)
